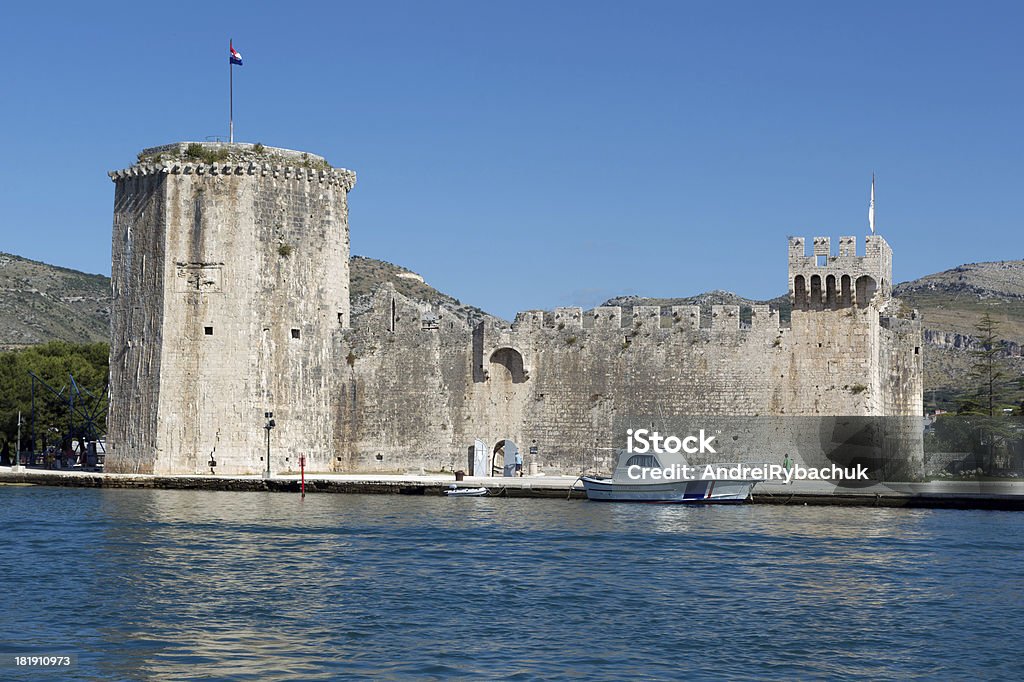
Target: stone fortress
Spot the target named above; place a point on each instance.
(231, 299)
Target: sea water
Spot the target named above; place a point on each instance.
(188, 585)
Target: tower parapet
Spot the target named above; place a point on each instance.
(823, 281)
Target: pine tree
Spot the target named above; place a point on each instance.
(992, 392)
(988, 370)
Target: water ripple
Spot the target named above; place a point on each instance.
(188, 585)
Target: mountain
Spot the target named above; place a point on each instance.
(40, 302)
(954, 300)
(366, 274)
(952, 303)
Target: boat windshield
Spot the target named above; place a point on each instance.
(644, 461)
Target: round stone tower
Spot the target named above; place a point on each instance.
(230, 284)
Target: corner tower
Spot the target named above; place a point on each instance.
(230, 284)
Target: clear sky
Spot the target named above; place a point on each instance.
(533, 154)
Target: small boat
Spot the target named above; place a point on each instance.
(665, 478)
(465, 492)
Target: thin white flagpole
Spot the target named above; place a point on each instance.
(871, 206)
(231, 94)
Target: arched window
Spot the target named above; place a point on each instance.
(800, 292)
(507, 363)
(846, 294)
(865, 290)
(830, 292)
(815, 292)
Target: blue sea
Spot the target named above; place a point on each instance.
(189, 585)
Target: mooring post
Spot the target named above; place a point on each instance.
(302, 473)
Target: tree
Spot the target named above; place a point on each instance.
(54, 363)
(991, 399)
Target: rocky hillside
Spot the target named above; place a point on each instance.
(40, 302)
(366, 274)
(954, 300)
(952, 303)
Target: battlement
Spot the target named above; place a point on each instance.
(648, 319)
(822, 280)
(218, 158)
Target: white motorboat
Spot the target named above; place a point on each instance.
(465, 492)
(666, 478)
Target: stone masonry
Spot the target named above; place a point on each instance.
(202, 245)
(230, 286)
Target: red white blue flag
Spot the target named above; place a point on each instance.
(236, 57)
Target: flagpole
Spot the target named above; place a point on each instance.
(231, 99)
(871, 205)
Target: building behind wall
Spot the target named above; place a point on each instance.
(231, 298)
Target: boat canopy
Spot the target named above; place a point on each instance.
(646, 461)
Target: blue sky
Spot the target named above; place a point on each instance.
(533, 154)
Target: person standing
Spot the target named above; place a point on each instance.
(787, 464)
(519, 463)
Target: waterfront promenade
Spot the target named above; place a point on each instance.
(967, 494)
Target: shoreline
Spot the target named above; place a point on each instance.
(994, 495)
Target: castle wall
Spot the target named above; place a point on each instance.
(252, 290)
(136, 322)
(568, 381)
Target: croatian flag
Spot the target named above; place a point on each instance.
(236, 58)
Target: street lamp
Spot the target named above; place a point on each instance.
(270, 425)
(17, 450)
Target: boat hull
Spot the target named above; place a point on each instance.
(673, 492)
(466, 492)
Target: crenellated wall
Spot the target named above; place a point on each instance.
(561, 381)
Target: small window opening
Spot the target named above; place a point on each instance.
(917, 350)
(208, 331)
(295, 333)
(822, 261)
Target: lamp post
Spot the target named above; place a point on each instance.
(270, 425)
(17, 449)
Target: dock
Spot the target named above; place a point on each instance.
(962, 494)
